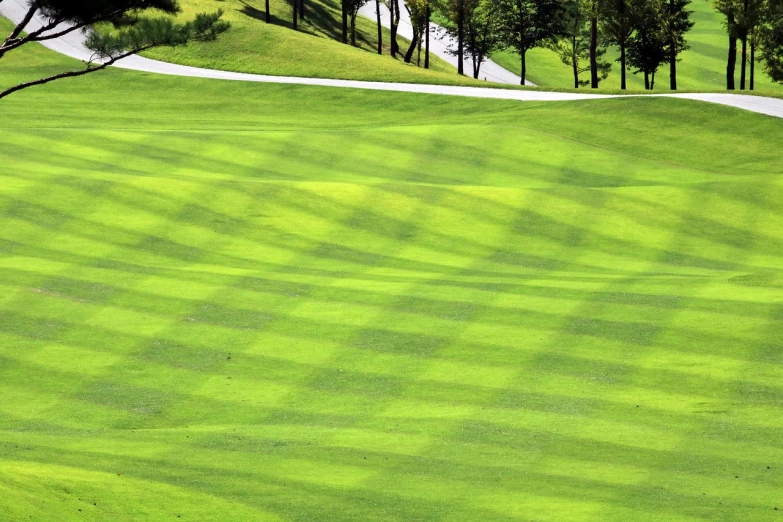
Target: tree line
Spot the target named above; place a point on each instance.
(649, 34)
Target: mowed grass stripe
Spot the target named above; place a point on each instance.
(530, 224)
(457, 309)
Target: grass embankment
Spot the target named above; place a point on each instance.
(252, 46)
(703, 66)
(269, 302)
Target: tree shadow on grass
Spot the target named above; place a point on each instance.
(258, 14)
(320, 16)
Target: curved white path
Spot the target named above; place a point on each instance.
(72, 45)
(441, 45)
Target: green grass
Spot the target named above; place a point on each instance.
(703, 66)
(252, 46)
(234, 301)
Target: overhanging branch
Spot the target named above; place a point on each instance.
(71, 74)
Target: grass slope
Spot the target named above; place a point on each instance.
(703, 66)
(268, 302)
(252, 46)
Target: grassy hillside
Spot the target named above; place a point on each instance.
(253, 46)
(703, 67)
(269, 302)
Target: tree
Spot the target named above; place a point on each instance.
(380, 27)
(618, 22)
(729, 9)
(352, 9)
(427, 37)
(677, 22)
(474, 23)
(526, 24)
(133, 33)
(771, 41)
(267, 15)
(749, 18)
(647, 48)
(481, 31)
(593, 13)
(573, 45)
(394, 13)
(454, 12)
(295, 6)
(418, 11)
(344, 18)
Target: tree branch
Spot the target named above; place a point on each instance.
(12, 42)
(72, 74)
(26, 20)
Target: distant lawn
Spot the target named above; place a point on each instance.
(703, 67)
(252, 46)
(234, 301)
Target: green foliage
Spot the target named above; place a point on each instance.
(90, 11)
(618, 19)
(676, 22)
(526, 24)
(647, 46)
(147, 33)
(482, 30)
(573, 45)
(771, 39)
(481, 25)
(418, 13)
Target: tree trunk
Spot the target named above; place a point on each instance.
(353, 28)
(744, 62)
(414, 42)
(593, 51)
(523, 71)
(427, 39)
(622, 66)
(380, 27)
(652, 81)
(673, 65)
(345, 21)
(732, 62)
(477, 66)
(672, 50)
(301, 10)
(296, 13)
(646, 81)
(752, 61)
(460, 37)
(268, 16)
(394, 9)
(744, 39)
(574, 65)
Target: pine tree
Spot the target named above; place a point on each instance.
(133, 33)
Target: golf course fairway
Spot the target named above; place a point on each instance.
(232, 301)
